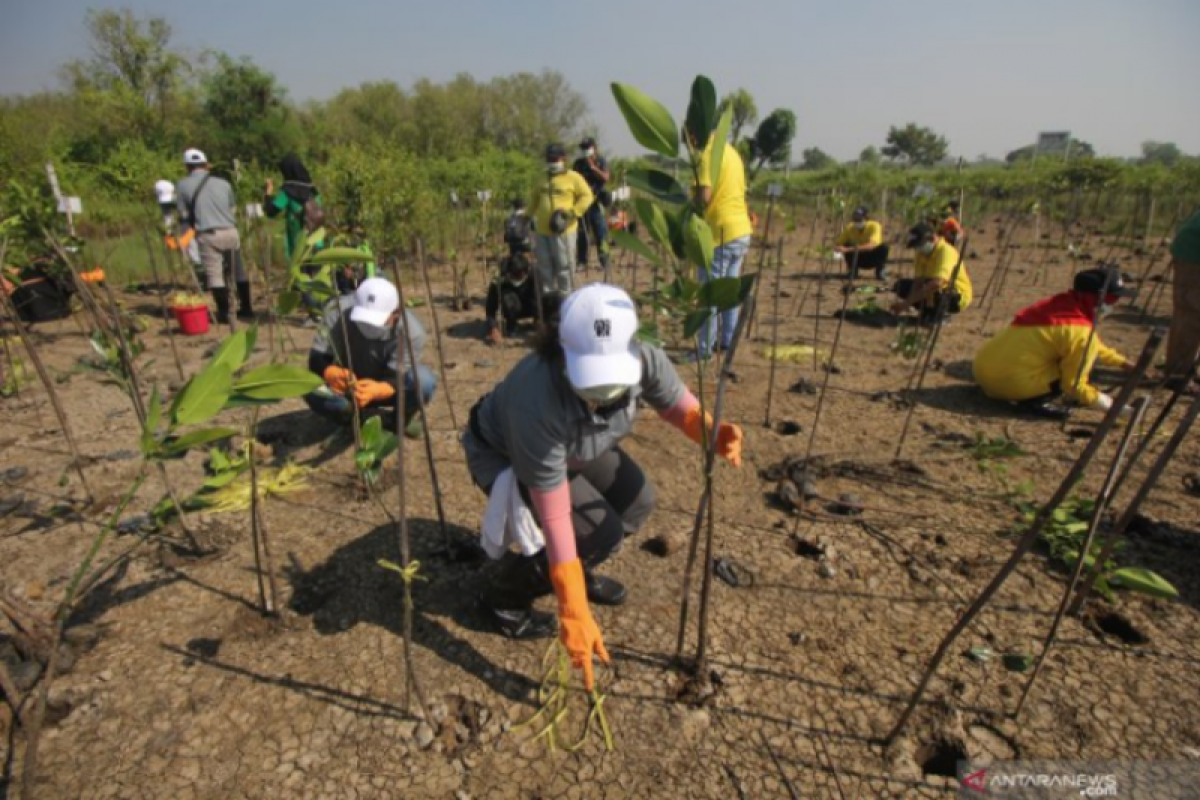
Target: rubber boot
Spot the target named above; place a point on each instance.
(508, 602)
(221, 296)
(245, 308)
(604, 591)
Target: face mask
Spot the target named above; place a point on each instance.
(860, 224)
(555, 167)
(926, 248)
(603, 395)
(589, 152)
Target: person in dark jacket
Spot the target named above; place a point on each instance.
(290, 201)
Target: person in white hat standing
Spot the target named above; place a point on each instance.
(355, 352)
(208, 205)
(164, 192)
(555, 424)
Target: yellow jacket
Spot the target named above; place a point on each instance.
(940, 265)
(726, 212)
(567, 191)
(1025, 361)
(853, 236)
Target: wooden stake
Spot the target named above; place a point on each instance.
(1030, 537)
(774, 332)
(437, 333)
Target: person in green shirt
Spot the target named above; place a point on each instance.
(290, 201)
(1183, 342)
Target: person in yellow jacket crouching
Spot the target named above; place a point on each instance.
(1049, 349)
(935, 266)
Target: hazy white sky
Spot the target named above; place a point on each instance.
(987, 75)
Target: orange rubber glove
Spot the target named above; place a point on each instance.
(729, 436)
(369, 391)
(579, 632)
(179, 242)
(339, 379)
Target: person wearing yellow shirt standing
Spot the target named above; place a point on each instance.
(726, 214)
(934, 267)
(1050, 347)
(861, 245)
(560, 199)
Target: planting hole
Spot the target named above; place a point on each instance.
(940, 758)
(1117, 625)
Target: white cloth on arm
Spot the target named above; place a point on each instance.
(508, 521)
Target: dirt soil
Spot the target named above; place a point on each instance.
(188, 692)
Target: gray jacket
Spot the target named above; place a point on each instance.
(215, 207)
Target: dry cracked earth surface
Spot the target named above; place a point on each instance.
(176, 686)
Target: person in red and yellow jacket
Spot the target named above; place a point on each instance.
(1050, 347)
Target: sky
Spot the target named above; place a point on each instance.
(986, 75)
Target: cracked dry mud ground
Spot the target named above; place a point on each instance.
(188, 693)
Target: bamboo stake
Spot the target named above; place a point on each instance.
(437, 333)
(1025, 544)
(258, 530)
(829, 365)
(48, 383)
(1103, 498)
(1118, 531)
(162, 303)
(774, 332)
(428, 434)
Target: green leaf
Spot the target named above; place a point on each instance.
(197, 438)
(653, 220)
(338, 256)
(315, 238)
(203, 396)
(747, 286)
(372, 433)
(287, 302)
(702, 110)
(721, 293)
(233, 351)
(649, 122)
(627, 241)
(698, 243)
(720, 137)
(694, 321)
(1137, 579)
(242, 401)
(277, 382)
(153, 415)
(225, 478)
(657, 183)
(1017, 662)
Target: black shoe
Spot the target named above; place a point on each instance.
(520, 623)
(1046, 410)
(221, 297)
(604, 591)
(245, 307)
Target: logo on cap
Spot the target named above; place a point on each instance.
(370, 299)
(603, 328)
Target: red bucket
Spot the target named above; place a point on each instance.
(193, 320)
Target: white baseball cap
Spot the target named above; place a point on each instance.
(596, 328)
(194, 157)
(165, 191)
(374, 301)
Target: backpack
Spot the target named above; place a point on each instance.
(314, 215)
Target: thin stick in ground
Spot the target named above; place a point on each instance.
(774, 332)
(160, 290)
(437, 335)
(1103, 498)
(427, 433)
(829, 365)
(1030, 537)
(48, 383)
(258, 530)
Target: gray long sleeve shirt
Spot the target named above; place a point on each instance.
(215, 206)
(534, 422)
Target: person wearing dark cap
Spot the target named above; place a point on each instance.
(518, 228)
(1048, 350)
(511, 295)
(1183, 342)
(861, 245)
(559, 200)
(292, 200)
(935, 265)
(594, 169)
(207, 205)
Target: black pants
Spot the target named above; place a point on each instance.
(929, 308)
(514, 303)
(610, 498)
(875, 259)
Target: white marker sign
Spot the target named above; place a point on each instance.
(774, 190)
(70, 205)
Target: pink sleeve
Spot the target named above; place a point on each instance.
(553, 508)
(677, 413)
